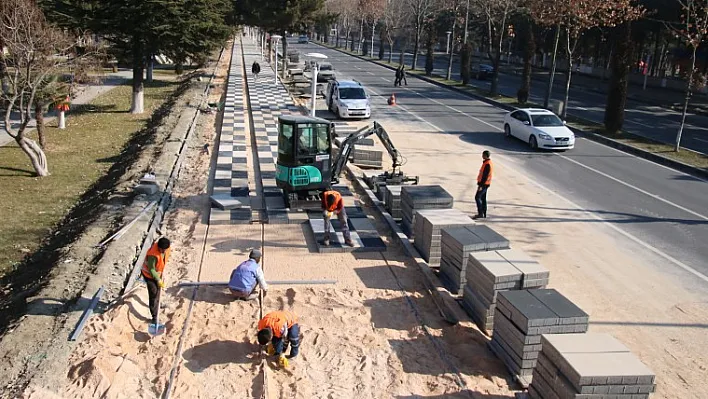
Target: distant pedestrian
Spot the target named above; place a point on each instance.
(484, 180)
(154, 265)
(246, 276)
(397, 82)
(403, 76)
(255, 69)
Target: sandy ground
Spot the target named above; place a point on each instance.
(376, 334)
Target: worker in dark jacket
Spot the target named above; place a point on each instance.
(484, 180)
(255, 69)
(332, 203)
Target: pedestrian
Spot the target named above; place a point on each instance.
(155, 261)
(332, 203)
(278, 330)
(255, 69)
(246, 276)
(397, 82)
(484, 180)
(403, 76)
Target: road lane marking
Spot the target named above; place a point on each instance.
(388, 80)
(562, 156)
(602, 220)
(696, 138)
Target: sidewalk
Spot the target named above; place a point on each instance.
(86, 95)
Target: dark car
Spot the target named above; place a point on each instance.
(482, 71)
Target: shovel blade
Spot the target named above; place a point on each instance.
(156, 329)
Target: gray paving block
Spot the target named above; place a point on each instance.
(560, 305)
(493, 265)
(493, 239)
(530, 267)
(462, 239)
(426, 194)
(527, 311)
(226, 201)
(510, 329)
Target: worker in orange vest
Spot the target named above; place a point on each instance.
(332, 203)
(484, 180)
(154, 265)
(278, 330)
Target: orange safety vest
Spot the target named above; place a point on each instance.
(481, 172)
(337, 198)
(161, 260)
(278, 321)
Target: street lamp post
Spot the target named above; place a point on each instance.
(319, 56)
(373, 28)
(467, 16)
(277, 40)
(447, 46)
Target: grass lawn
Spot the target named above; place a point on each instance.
(665, 150)
(78, 156)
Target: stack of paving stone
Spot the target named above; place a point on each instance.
(427, 228)
(521, 317)
(367, 156)
(415, 198)
(456, 245)
(588, 366)
(393, 201)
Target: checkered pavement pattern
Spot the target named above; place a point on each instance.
(231, 174)
(268, 101)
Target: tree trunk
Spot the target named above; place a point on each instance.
(39, 117)
(494, 88)
(35, 154)
(617, 90)
(689, 87)
(430, 51)
(466, 63)
(567, 86)
(549, 88)
(529, 51)
(390, 51)
(138, 101)
(448, 76)
(382, 50)
(150, 67)
(361, 36)
(416, 47)
(285, 56)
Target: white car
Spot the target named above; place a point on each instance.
(347, 99)
(540, 128)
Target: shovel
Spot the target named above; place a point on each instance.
(156, 328)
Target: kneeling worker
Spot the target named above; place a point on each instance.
(279, 330)
(245, 277)
(332, 202)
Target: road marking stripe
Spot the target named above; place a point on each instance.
(590, 213)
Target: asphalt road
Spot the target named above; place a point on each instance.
(645, 120)
(661, 210)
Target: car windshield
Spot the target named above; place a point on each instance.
(325, 67)
(546, 120)
(352, 93)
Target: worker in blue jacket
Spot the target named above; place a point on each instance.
(246, 276)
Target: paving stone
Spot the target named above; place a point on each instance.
(226, 201)
(566, 310)
(497, 269)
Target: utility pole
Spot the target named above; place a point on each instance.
(549, 89)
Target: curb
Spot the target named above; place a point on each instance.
(664, 161)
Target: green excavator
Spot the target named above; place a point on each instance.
(307, 164)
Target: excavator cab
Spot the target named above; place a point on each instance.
(304, 166)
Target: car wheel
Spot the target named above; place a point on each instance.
(507, 131)
(533, 143)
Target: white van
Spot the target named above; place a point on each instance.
(347, 99)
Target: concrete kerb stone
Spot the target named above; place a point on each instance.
(445, 303)
(680, 166)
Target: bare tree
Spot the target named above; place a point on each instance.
(420, 11)
(576, 18)
(371, 11)
(495, 14)
(454, 7)
(692, 31)
(35, 51)
(395, 18)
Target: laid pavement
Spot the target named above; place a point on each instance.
(643, 116)
(87, 94)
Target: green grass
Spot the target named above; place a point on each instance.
(77, 156)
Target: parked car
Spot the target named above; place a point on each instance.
(347, 99)
(325, 72)
(540, 128)
(303, 39)
(482, 71)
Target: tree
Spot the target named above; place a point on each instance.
(495, 14)
(420, 11)
(35, 52)
(692, 31)
(617, 93)
(371, 11)
(577, 17)
(529, 40)
(453, 8)
(395, 19)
